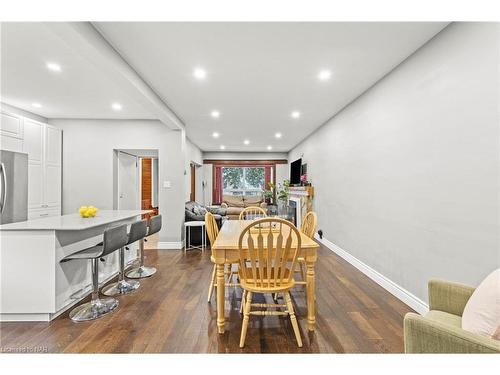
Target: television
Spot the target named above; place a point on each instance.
(295, 172)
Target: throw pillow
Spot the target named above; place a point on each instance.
(482, 312)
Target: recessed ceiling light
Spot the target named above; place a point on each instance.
(199, 73)
(53, 66)
(278, 135)
(215, 135)
(246, 142)
(215, 114)
(295, 114)
(269, 148)
(324, 75)
(222, 147)
(116, 106)
(36, 105)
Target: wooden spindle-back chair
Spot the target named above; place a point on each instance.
(308, 227)
(251, 213)
(212, 232)
(269, 249)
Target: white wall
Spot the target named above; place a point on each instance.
(193, 154)
(88, 165)
(407, 176)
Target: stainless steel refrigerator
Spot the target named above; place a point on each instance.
(13, 187)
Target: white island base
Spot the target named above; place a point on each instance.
(34, 285)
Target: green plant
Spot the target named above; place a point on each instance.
(281, 191)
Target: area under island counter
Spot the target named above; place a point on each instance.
(34, 286)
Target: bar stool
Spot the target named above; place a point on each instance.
(142, 271)
(137, 232)
(114, 238)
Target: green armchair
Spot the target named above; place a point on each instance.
(440, 330)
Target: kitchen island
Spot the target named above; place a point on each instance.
(34, 285)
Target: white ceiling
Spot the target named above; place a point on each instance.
(82, 89)
(258, 73)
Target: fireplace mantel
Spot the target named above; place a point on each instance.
(307, 191)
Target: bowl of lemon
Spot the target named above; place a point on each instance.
(87, 211)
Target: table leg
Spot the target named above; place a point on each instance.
(220, 297)
(311, 296)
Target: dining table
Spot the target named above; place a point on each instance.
(226, 250)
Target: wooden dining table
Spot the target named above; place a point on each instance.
(226, 250)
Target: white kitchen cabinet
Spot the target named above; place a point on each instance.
(11, 132)
(33, 140)
(43, 144)
(43, 212)
(53, 149)
(11, 125)
(52, 185)
(35, 185)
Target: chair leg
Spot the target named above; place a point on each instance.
(122, 286)
(248, 305)
(212, 283)
(97, 307)
(142, 271)
(295, 325)
(302, 271)
(230, 275)
(243, 296)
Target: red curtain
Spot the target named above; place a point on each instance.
(217, 185)
(267, 177)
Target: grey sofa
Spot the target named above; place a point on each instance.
(196, 212)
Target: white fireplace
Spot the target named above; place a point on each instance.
(296, 203)
(300, 199)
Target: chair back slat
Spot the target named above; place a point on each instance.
(211, 227)
(252, 213)
(272, 248)
(309, 224)
(278, 253)
(269, 262)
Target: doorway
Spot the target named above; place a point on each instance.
(136, 180)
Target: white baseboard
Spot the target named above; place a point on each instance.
(399, 292)
(170, 245)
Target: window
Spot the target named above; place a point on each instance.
(243, 180)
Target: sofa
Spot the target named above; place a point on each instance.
(440, 330)
(196, 212)
(234, 204)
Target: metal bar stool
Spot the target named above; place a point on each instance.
(142, 271)
(114, 238)
(137, 232)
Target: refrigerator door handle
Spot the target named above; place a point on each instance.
(4, 187)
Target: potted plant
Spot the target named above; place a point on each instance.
(304, 181)
(279, 194)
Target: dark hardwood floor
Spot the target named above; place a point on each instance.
(170, 314)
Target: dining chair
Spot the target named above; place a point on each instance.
(266, 264)
(308, 227)
(251, 213)
(212, 232)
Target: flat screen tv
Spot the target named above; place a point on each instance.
(295, 171)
